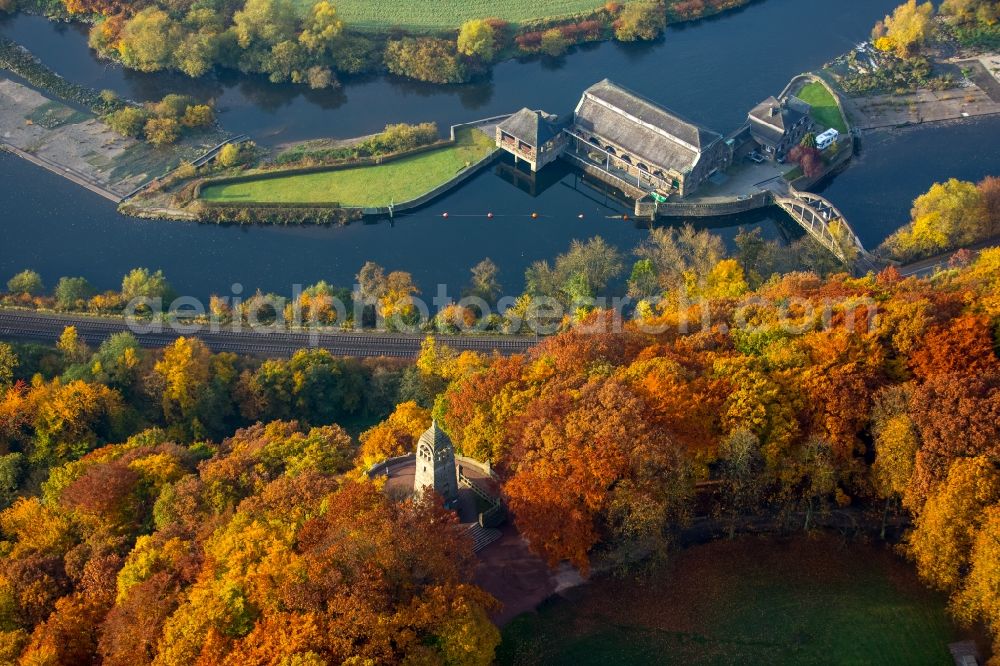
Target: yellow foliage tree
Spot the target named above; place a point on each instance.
(907, 28)
(73, 348)
(942, 539)
(395, 436)
(948, 215)
(185, 369)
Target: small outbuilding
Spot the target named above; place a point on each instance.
(777, 126)
(535, 137)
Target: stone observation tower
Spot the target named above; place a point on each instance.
(436, 465)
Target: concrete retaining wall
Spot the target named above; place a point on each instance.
(380, 469)
(483, 467)
(846, 153)
(353, 163)
(437, 191)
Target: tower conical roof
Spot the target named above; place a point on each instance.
(436, 438)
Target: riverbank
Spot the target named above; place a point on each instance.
(73, 143)
(975, 95)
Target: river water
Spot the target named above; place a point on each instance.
(712, 71)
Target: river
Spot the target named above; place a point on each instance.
(712, 70)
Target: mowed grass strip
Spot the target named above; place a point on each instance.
(367, 186)
(824, 107)
(434, 15)
(748, 601)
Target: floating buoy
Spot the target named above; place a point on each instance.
(534, 216)
(444, 214)
(489, 215)
(625, 217)
(580, 216)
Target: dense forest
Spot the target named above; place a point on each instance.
(142, 527)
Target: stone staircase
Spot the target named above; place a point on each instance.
(482, 536)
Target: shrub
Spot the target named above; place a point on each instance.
(640, 21)
(477, 39)
(173, 106)
(426, 59)
(72, 292)
(25, 282)
(397, 138)
(554, 42)
(162, 131)
(128, 121)
(198, 115)
(808, 158)
(230, 155)
(320, 77)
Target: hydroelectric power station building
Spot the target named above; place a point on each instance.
(622, 138)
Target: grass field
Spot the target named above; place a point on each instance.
(434, 15)
(370, 186)
(748, 601)
(824, 107)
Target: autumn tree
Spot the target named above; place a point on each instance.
(71, 419)
(194, 387)
(72, 293)
(25, 282)
(8, 363)
(979, 598)
(74, 349)
(896, 445)
(591, 467)
(477, 39)
(230, 155)
(640, 21)
(948, 215)
(945, 529)
(395, 436)
(909, 26)
(942, 406)
(741, 471)
(322, 27)
(161, 131)
(485, 283)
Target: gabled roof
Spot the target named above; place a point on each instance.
(771, 119)
(649, 131)
(532, 127)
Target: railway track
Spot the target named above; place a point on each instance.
(45, 327)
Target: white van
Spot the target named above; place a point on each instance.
(824, 140)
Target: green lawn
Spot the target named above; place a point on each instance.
(434, 15)
(748, 601)
(824, 107)
(371, 186)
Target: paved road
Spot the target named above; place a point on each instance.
(44, 327)
(927, 267)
